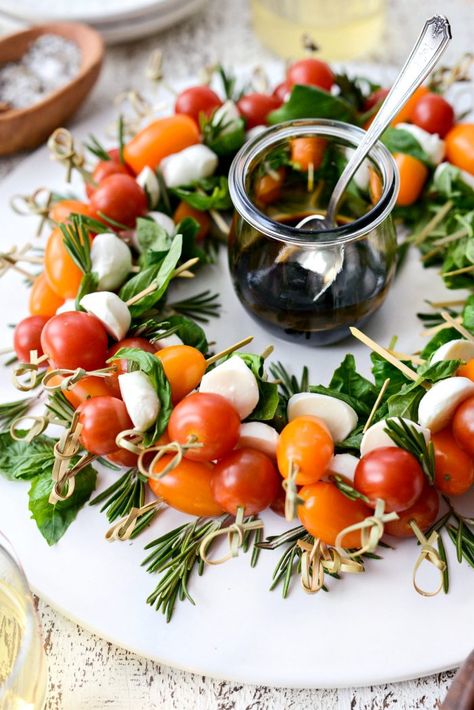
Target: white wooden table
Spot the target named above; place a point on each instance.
(86, 671)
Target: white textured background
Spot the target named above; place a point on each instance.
(87, 672)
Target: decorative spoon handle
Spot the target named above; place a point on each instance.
(461, 693)
(430, 45)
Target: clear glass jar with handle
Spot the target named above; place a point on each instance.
(302, 284)
(23, 674)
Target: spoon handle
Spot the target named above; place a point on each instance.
(429, 46)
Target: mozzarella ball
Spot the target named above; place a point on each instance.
(111, 260)
(140, 399)
(110, 310)
(339, 417)
(234, 381)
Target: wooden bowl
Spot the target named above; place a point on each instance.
(25, 128)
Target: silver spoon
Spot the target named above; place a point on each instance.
(428, 48)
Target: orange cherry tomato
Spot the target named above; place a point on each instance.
(375, 186)
(326, 511)
(307, 151)
(306, 444)
(184, 367)
(467, 370)
(413, 175)
(63, 276)
(406, 112)
(87, 388)
(159, 139)
(268, 187)
(463, 425)
(184, 210)
(460, 146)
(43, 300)
(454, 468)
(187, 487)
(423, 512)
(62, 210)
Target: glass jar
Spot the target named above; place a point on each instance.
(305, 284)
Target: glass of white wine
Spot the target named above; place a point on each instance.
(342, 29)
(23, 674)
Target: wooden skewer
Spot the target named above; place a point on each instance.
(457, 326)
(230, 349)
(380, 395)
(386, 354)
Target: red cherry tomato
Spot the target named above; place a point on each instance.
(102, 170)
(159, 139)
(392, 474)
(326, 512)
(197, 101)
(312, 72)
(434, 114)
(43, 300)
(423, 512)
(375, 98)
(115, 157)
(454, 468)
(282, 92)
(120, 198)
(62, 274)
(463, 425)
(460, 146)
(279, 502)
(208, 419)
(245, 479)
(123, 457)
(184, 367)
(254, 108)
(75, 339)
(306, 444)
(187, 487)
(140, 343)
(102, 419)
(27, 336)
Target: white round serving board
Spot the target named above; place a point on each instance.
(370, 628)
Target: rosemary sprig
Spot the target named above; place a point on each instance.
(60, 407)
(9, 411)
(289, 384)
(413, 441)
(96, 148)
(289, 563)
(176, 556)
(201, 307)
(76, 242)
(121, 139)
(125, 493)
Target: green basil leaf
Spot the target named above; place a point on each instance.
(468, 314)
(398, 140)
(207, 194)
(89, 284)
(54, 520)
(405, 402)
(151, 366)
(226, 142)
(439, 339)
(348, 381)
(188, 331)
(22, 459)
(189, 228)
(311, 102)
(268, 391)
(439, 370)
(351, 445)
(382, 370)
(151, 236)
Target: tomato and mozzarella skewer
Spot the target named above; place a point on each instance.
(140, 398)
(376, 437)
(234, 381)
(111, 260)
(112, 312)
(259, 436)
(187, 166)
(438, 405)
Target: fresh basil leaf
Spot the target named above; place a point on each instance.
(161, 274)
(207, 194)
(439, 370)
(280, 418)
(405, 402)
(351, 445)
(311, 102)
(89, 284)
(439, 339)
(152, 236)
(151, 366)
(22, 459)
(448, 183)
(382, 370)
(268, 391)
(226, 142)
(54, 520)
(348, 381)
(398, 140)
(188, 331)
(189, 228)
(468, 314)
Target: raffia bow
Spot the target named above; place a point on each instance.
(371, 530)
(429, 554)
(318, 558)
(235, 535)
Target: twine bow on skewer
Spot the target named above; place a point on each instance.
(61, 145)
(131, 440)
(371, 530)
(318, 558)
(235, 535)
(38, 203)
(146, 467)
(31, 369)
(429, 554)
(124, 528)
(71, 377)
(65, 450)
(38, 426)
(9, 260)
